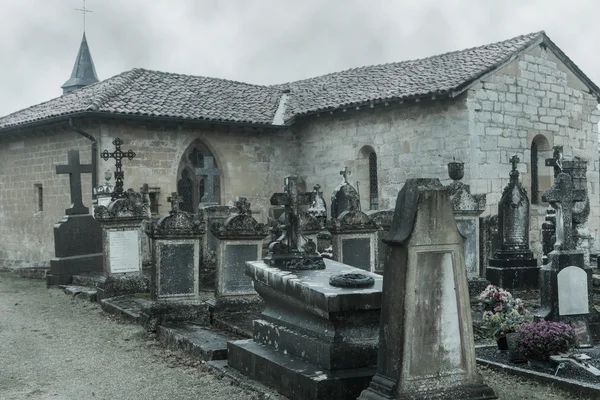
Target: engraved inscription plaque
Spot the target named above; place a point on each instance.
(124, 251)
(176, 263)
(357, 252)
(234, 278)
(572, 291)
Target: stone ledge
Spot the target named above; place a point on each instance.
(80, 292)
(194, 340)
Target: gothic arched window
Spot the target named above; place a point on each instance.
(373, 188)
(534, 174)
(190, 186)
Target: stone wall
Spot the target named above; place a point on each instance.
(534, 98)
(413, 140)
(25, 164)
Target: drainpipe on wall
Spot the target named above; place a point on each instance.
(94, 154)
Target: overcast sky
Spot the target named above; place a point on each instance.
(265, 41)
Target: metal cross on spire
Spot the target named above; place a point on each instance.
(84, 11)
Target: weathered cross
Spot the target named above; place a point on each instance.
(209, 172)
(118, 155)
(175, 199)
(561, 197)
(74, 169)
(83, 12)
(556, 160)
(291, 199)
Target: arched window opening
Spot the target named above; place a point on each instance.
(185, 188)
(190, 186)
(541, 175)
(373, 188)
(534, 174)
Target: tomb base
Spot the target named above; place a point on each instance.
(119, 285)
(62, 269)
(516, 273)
(477, 285)
(161, 312)
(293, 377)
(382, 388)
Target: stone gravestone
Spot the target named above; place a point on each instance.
(78, 236)
(240, 239)
(513, 265)
(383, 221)
(566, 257)
(426, 345)
(315, 339)
(344, 196)
(175, 254)
(353, 233)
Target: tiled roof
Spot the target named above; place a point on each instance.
(157, 94)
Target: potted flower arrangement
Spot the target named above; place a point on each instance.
(541, 339)
(502, 314)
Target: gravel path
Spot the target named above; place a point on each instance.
(56, 347)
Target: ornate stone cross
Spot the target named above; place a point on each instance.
(209, 172)
(561, 197)
(74, 169)
(118, 155)
(175, 199)
(291, 199)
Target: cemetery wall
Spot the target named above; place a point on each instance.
(26, 223)
(534, 98)
(415, 140)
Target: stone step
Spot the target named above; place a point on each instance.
(30, 272)
(128, 307)
(80, 292)
(88, 280)
(196, 341)
(237, 323)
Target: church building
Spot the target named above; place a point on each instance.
(386, 123)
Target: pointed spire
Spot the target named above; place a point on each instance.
(84, 72)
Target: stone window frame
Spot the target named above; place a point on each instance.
(38, 190)
(542, 147)
(369, 154)
(186, 163)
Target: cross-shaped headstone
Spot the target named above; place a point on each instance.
(561, 197)
(345, 174)
(74, 169)
(175, 199)
(208, 172)
(118, 155)
(291, 199)
(556, 160)
(514, 160)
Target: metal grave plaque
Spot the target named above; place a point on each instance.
(176, 263)
(234, 280)
(357, 252)
(124, 251)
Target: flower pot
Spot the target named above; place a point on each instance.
(514, 355)
(502, 343)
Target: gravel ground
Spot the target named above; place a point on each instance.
(56, 347)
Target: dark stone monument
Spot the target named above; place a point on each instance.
(208, 172)
(426, 345)
(344, 197)
(566, 282)
(353, 233)
(78, 236)
(513, 265)
(292, 250)
(240, 240)
(175, 254)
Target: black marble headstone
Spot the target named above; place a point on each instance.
(357, 252)
(234, 278)
(176, 269)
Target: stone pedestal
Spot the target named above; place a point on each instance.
(239, 239)
(354, 239)
(210, 214)
(122, 232)
(77, 249)
(513, 265)
(314, 340)
(383, 221)
(426, 346)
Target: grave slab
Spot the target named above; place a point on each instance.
(197, 341)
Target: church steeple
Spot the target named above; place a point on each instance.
(84, 72)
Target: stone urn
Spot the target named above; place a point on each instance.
(456, 170)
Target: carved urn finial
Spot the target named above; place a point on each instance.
(456, 170)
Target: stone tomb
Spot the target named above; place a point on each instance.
(354, 239)
(240, 239)
(175, 254)
(426, 345)
(77, 236)
(313, 340)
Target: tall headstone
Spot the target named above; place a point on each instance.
(77, 236)
(467, 209)
(240, 240)
(426, 345)
(344, 197)
(566, 270)
(513, 265)
(175, 254)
